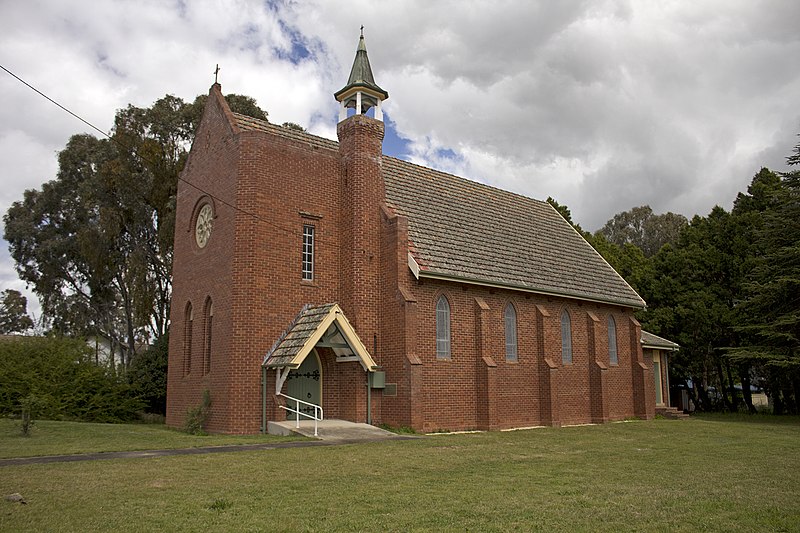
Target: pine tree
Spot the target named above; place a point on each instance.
(771, 312)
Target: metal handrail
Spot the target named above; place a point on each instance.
(298, 412)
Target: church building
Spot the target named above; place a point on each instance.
(329, 278)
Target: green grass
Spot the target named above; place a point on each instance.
(703, 474)
(56, 438)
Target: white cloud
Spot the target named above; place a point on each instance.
(603, 105)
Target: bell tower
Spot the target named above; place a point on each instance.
(362, 193)
(361, 92)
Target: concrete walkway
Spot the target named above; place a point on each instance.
(336, 433)
(333, 431)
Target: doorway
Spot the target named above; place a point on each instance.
(305, 383)
(657, 377)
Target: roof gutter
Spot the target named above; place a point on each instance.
(671, 348)
(545, 292)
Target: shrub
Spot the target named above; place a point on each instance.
(148, 376)
(29, 406)
(60, 374)
(196, 417)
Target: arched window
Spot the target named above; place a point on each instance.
(188, 318)
(613, 358)
(442, 328)
(511, 332)
(566, 338)
(208, 316)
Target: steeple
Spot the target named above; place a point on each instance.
(361, 91)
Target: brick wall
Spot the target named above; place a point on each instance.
(251, 270)
(202, 273)
(455, 389)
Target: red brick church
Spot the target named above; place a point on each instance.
(375, 290)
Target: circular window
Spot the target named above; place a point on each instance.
(202, 228)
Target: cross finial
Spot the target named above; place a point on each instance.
(362, 30)
(216, 72)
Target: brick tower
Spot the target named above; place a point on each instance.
(360, 150)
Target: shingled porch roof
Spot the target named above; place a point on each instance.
(462, 230)
(311, 325)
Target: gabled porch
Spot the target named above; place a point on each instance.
(321, 370)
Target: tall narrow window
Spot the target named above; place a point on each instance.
(187, 339)
(308, 252)
(208, 316)
(566, 338)
(511, 333)
(613, 358)
(442, 328)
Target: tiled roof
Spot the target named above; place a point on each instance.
(462, 229)
(294, 338)
(654, 341)
(246, 123)
(466, 230)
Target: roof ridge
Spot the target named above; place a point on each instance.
(470, 181)
(400, 162)
(277, 128)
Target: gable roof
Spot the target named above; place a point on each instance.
(313, 324)
(650, 340)
(465, 231)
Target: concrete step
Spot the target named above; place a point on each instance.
(331, 430)
(671, 413)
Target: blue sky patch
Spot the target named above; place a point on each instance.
(298, 51)
(393, 144)
(447, 153)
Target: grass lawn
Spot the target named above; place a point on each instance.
(56, 438)
(703, 474)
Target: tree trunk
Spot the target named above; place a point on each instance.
(703, 402)
(722, 389)
(111, 355)
(127, 305)
(747, 394)
(734, 396)
(775, 392)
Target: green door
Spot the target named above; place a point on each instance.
(304, 383)
(657, 377)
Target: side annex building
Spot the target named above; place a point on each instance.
(383, 291)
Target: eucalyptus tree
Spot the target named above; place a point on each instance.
(14, 312)
(641, 227)
(95, 243)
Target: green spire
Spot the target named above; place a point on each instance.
(361, 80)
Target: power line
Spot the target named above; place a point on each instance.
(131, 149)
(40, 93)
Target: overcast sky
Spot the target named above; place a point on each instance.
(602, 105)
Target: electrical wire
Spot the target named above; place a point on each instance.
(133, 150)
